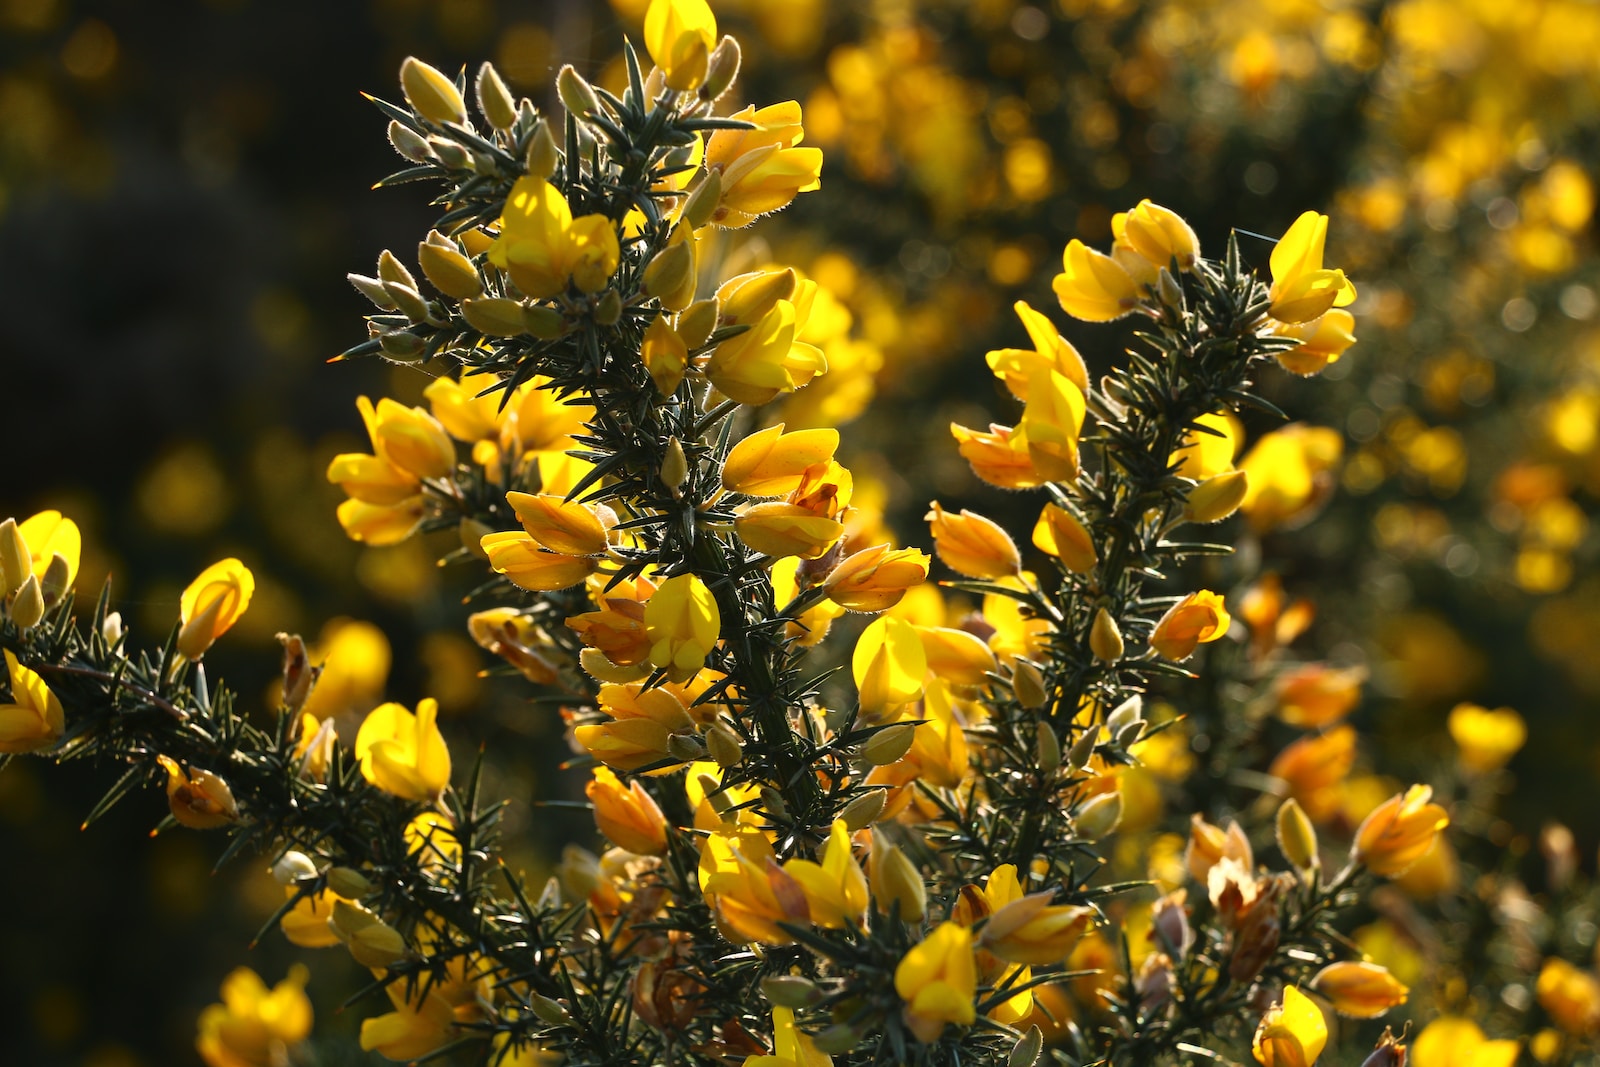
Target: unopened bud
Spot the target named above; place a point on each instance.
(431, 94)
(16, 561)
(293, 867)
(696, 322)
(372, 289)
(390, 269)
(837, 1039)
(28, 607)
(1047, 748)
(773, 802)
(1297, 838)
(686, 747)
(545, 323)
(889, 744)
(450, 272)
(471, 533)
(1082, 749)
(450, 154)
(1025, 1053)
(667, 272)
(674, 466)
(494, 316)
(609, 308)
(895, 881)
(1216, 498)
(864, 810)
(715, 795)
(1168, 289)
(349, 883)
(551, 1012)
(298, 673)
(543, 155)
(1027, 684)
(409, 143)
(601, 669)
(53, 585)
(790, 991)
(1099, 817)
(111, 628)
(721, 69)
(408, 300)
(371, 941)
(702, 203)
(577, 95)
(1105, 640)
(723, 744)
(402, 346)
(494, 99)
(1125, 714)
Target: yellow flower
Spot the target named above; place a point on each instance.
(683, 624)
(938, 752)
(876, 578)
(746, 888)
(49, 534)
(1315, 695)
(211, 604)
(382, 524)
(1093, 286)
(1031, 930)
(836, 888)
(1301, 289)
(306, 924)
(937, 979)
(543, 248)
(973, 545)
(464, 409)
(999, 455)
(1486, 739)
(791, 1047)
(888, 665)
(1314, 766)
(771, 462)
(1206, 454)
(1291, 475)
(664, 354)
(1051, 422)
(1570, 996)
(1197, 619)
(680, 35)
(254, 1026)
(1399, 832)
(519, 557)
(416, 1027)
(1451, 1041)
(431, 840)
(1159, 235)
(408, 438)
(628, 816)
(1322, 341)
(1359, 990)
(402, 753)
(761, 169)
(562, 525)
(371, 941)
(197, 798)
(1291, 1034)
(777, 529)
(1058, 533)
(1016, 366)
(766, 360)
(34, 719)
(1209, 845)
(956, 657)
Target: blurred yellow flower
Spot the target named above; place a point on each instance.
(1291, 475)
(791, 1046)
(1452, 1041)
(255, 1026)
(420, 1024)
(1359, 990)
(1571, 996)
(1486, 739)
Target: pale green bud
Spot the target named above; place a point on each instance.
(409, 143)
(495, 316)
(430, 93)
(494, 99)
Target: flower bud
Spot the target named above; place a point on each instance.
(431, 94)
(722, 69)
(1027, 685)
(372, 289)
(1025, 1053)
(836, 1040)
(864, 810)
(402, 346)
(723, 744)
(371, 941)
(392, 271)
(790, 991)
(349, 883)
(895, 881)
(56, 580)
(701, 206)
(1099, 817)
(494, 99)
(686, 747)
(292, 867)
(1082, 749)
(450, 154)
(16, 561)
(1387, 1053)
(1124, 715)
(111, 629)
(28, 606)
(1105, 640)
(1168, 289)
(298, 673)
(674, 467)
(494, 316)
(577, 95)
(408, 300)
(543, 155)
(471, 533)
(450, 272)
(1047, 748)
(197, 798)
(889, 744)
(696, 322)
(1297, 838)
(550, 1011)
(609, 308)
(1216, 498)
(545, 323)
(669, 269)
(409, 143)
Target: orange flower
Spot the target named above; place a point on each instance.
(1399, 832)
(1198, 618)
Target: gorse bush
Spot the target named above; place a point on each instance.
(863, 807)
